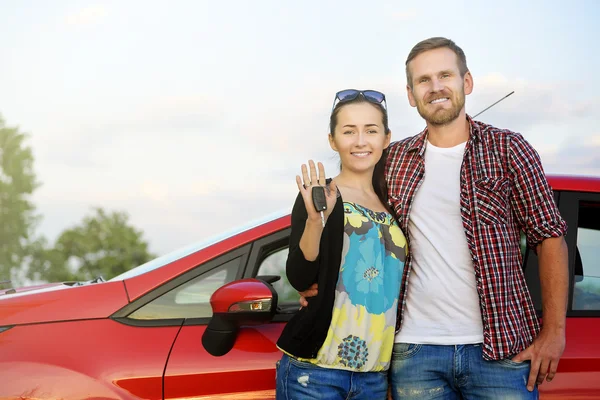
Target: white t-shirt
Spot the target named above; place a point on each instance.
(442, 305)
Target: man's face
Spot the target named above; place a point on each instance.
(438, 90)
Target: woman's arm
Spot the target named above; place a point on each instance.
(302, 264)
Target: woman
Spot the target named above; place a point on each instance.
(340, 345)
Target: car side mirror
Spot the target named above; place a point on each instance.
(242, 302)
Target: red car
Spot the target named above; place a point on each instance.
(197, 324)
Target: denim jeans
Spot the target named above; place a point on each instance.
(298, 380)
(455, 372)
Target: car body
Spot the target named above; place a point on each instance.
(141, 335)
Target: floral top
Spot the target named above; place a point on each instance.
(362, 329)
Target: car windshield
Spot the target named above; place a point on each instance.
(182, 252)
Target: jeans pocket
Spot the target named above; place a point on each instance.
(302, 364)
(403, 351)
(513, 364)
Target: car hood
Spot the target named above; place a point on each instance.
(31, 288)
(60, 302)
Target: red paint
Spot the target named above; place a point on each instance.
(62, 303)
(249, 367)
(84, 359)
(578, 374)
(575, 183)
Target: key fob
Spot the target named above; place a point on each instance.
(319, 199)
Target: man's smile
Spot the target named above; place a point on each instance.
(440, 100)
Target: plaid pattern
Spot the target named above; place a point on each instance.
(503, 192)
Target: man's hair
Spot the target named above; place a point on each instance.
(432, 44)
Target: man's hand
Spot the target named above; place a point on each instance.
(544, 353)
(310, 292)
(547, 348)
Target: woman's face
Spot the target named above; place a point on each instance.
(359, 136)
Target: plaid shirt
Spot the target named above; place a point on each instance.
(503, 192)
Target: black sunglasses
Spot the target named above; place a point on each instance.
(350, 94)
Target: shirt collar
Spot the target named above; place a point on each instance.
(418, 142)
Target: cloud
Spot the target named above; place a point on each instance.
(407, 15)
(531, 104)
(87, 16)
(574, 157)
(141, 131)
(172, 217)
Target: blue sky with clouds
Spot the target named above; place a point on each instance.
(194, 116)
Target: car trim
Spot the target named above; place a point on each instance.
(265, 246)
(197, 321)
(5, 328)
(261, 249)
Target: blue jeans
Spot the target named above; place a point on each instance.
(298, 380)
(455, 372)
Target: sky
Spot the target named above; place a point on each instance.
(194, 117)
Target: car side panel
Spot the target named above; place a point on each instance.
(578, 374)
(247, 372)
(84, 359)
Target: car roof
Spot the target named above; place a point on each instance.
(577, 183)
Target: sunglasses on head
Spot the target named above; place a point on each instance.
(350, 94)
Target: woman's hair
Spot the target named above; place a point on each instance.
(379, 183)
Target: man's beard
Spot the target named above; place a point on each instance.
(442, 116)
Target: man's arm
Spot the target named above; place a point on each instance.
(554, 278)
(538, 216)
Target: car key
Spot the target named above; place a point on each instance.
(320, 201)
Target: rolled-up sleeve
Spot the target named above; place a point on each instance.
(532, 198)
(301, 273)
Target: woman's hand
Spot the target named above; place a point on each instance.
(306, 190)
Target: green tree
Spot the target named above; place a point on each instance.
(17, 212)
(104, 244)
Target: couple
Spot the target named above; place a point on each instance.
(412, 280)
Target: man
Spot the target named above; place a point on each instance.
(463, 191)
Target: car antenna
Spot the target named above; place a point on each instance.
(492, 105)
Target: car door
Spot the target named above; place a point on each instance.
(579, 368)
(248, 370)
(180, 301)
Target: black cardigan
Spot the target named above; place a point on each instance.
(305, 333)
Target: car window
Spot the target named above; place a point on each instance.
(190, 299)
(586, 294)
(523, 244)
(274, 264)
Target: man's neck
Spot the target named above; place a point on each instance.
(451, 134)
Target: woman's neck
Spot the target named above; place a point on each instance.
(358, 188)
(361, 182)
